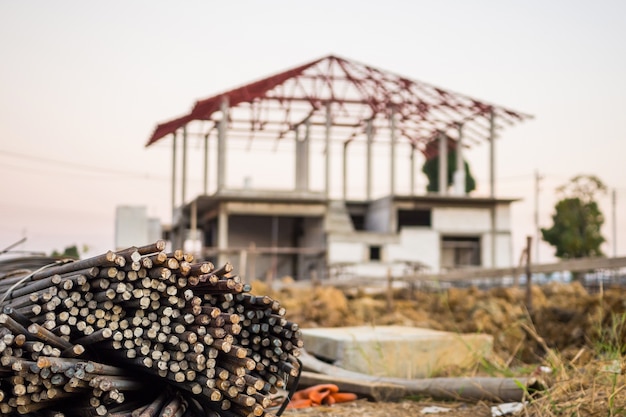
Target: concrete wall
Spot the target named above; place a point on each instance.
(339, 252)
(454, 220)
(417, 244)
(504, 250)
(503, 217)
(378, 217)
(477, 222)
(421, 244)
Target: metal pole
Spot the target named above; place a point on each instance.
(614, 221)
(538, 178)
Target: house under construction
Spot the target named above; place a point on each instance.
(349, 138)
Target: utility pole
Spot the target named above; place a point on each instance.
(538, 178)
(529, 276)
(614, 221)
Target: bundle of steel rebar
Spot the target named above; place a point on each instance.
(141, 333)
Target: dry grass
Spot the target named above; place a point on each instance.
(590, 384)
(580, 337)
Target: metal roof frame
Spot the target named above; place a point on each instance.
(352, 94)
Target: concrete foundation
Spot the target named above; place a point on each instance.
(396, 351)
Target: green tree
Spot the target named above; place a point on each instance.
(576, 232)
(431, 169)
(69, 252)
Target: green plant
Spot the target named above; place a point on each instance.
(577, 221)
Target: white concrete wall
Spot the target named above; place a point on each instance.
(503, 217)
(422, 244)
(346, 252)
(504, 251)
(477, 221)
(454, 220)
(417, 244)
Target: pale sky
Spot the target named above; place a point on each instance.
(83, 85)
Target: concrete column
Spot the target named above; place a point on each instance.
(492, 154)
(369, 131)
(327, 140)
(222, 128)
(412, 183)
(459, 173)
(222, 234)
(345, 171)
(183, 190)
(302, 160)
(173, 179)
(392, 158)
(206, 164)
(443, 164)
(193, 235)
(194, 218)
(492, 183)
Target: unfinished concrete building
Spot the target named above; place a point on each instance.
(313, 170)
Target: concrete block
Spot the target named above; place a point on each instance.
(396, 351)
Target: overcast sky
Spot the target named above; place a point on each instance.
(83, 85)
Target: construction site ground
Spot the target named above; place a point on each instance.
(578, 336)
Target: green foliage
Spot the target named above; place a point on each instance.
(576, 232)
(431, 169)
(69, 252)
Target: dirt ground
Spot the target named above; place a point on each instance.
(579, 335)
(364, 408)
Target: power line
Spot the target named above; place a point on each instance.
(73, 165)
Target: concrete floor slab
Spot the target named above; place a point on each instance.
(396, 351)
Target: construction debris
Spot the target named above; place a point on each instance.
(141, 333)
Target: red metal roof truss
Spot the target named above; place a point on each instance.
(356, 93)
